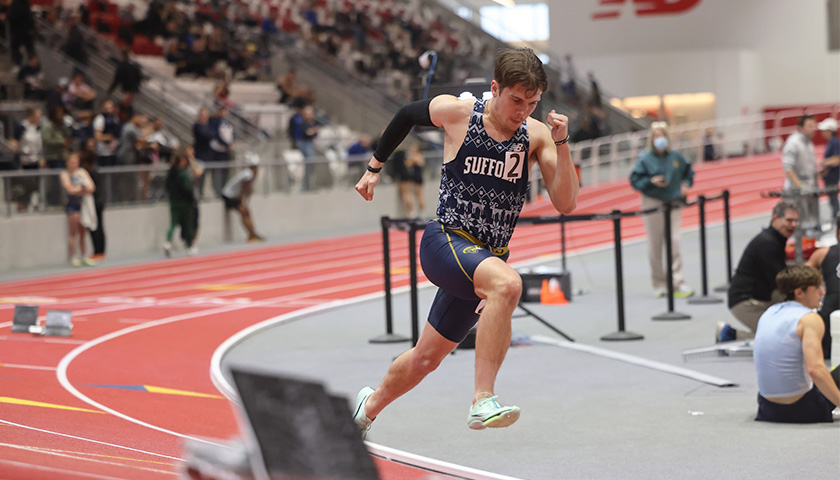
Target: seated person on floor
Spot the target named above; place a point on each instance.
(752, 288)
(794, 384)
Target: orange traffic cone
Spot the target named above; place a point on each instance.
(551, 293)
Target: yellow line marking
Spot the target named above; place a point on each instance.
(30, 300)
(31, 403)
(172, 391)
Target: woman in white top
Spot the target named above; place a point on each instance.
(77, 183)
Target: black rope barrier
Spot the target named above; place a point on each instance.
(705, 298)
(727, 242)
(621, 334)
(669, 259)
(412, 225)
(401, 224)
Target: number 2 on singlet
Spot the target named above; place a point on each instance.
(513, 166)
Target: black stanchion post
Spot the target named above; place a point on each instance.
(412, 267)
(388, 336)
(705, 299)
(727, 238)
(621, 334)
(669, 260)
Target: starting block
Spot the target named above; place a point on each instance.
(727, 349)
(25, 317)
(58, 322)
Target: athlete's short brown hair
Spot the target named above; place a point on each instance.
(520, 66)
(797, 276)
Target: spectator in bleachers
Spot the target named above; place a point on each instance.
(709, 152)
(831, 161)
(800, 166)
(29, 148)
(222, 145)
(132, 141)
(203, 133)
(106, 130)
(152, 24)
(358, 154)
(125, 31)
(75, 45)
(4, 15)
(125, 109)
(304, 131)
(21, 25)
(128, 74)
(88, 161)
(288, 87)
(662, 175)
(32, 78)
(81, 93)
(221, 93)
(56, 139)
(58, 94)
(82, 129)
(77, 183)
(166, 142)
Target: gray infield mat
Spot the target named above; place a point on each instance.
(584, 416)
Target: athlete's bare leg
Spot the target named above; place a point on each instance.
(501, 286)
(409, 369)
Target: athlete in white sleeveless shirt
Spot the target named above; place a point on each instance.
(794, 384)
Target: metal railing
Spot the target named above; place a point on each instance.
(601, 160)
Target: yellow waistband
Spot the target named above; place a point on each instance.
(465, 235)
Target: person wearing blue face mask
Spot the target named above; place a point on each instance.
(663, 176)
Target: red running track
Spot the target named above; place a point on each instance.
(116, 398)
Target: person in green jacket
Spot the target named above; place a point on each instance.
(663, 175)
(179, 186)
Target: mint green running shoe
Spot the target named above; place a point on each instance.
(359, 416)
(488, 413)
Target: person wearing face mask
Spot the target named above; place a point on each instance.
(663, 175)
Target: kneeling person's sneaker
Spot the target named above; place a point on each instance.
(724, 333)
(359, 415)
(488, 413)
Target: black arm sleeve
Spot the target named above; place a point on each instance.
(415, 113)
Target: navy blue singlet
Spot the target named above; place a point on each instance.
(482, 190)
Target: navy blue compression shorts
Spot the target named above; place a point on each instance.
(449, 258)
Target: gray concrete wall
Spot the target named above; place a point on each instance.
(36, 241)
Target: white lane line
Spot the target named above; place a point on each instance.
(640, 361)
(65, 362)
(32, 466)
(427, 463)
(71, 455)
(74, 437)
